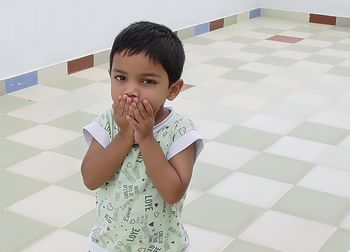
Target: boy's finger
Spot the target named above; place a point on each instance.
(132, 122)
(142, 110)
(138, 115)
(148, 107)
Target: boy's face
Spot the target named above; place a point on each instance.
(138, 77)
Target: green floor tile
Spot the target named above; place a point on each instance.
(338, 242)
(67, 82)
(11, 125)
(74, 121)
(314, 205)
(258, 49)
(242, 40)
(268, 30)
(75, 148)
(307, 29)
(231, 217)
(278, 168)
(320, 133)
(83, 225)
(17, 231)
(226, 62)
(342, 71)
(324, 38)
(276, 61)
(199, 41)
(75, 183)
(324, 59)
(14, 187)
(12, 152)
(248, 138)
(10, 103)
(243, 246)
(339, 46)
(242, 75)
(303, 48)
(205, 176)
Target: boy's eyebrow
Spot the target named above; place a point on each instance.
(143, 74)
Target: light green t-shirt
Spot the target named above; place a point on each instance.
(131, 215)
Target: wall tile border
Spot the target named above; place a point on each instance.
(322, 19)
(100, 58)
(79, 64)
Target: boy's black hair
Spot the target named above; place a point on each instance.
(157, 41)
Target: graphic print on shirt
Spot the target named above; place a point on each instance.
(131, 214)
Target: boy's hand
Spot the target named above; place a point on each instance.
(120, 111)
(142, 121)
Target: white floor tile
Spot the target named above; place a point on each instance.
(298, 105)
(58, 241)
(328, 180)
(296, 34)
(224, 155)
(339, 158)
(252, 190)
(206, 241)
(333, 118)
(314, 42)
(98, 108)
(300, 149)
(271, 123)
(47, 166)
(38, 93)
(55, 205)
(44, 136)
(247, 102)
(40, 112)
(94, 74)
(210, 129)
(287, 233)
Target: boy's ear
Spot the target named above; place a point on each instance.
(175, 89)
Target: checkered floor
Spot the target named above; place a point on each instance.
(272, 99)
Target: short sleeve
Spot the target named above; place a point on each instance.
(184, 134)
(101, 129)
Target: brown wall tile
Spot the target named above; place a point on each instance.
(80, 64)
(322, 19)
(217, 24)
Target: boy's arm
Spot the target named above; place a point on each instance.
(172, 177)
(100, 164)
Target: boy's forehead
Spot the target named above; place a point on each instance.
(125, 57)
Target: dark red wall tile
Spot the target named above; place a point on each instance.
(80, 64)
(322, 19)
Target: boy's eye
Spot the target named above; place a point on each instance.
(120, 78)
(149, 82)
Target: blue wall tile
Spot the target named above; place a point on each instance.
(202, 28)
(21, 81)
(255, 13)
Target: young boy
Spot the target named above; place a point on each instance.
(141, 154)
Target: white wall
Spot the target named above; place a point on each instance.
(39, 33)
(340, 8)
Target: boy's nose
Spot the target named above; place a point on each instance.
(131, 90)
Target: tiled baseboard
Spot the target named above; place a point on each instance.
(66, 68)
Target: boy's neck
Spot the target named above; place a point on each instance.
(161, 115)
